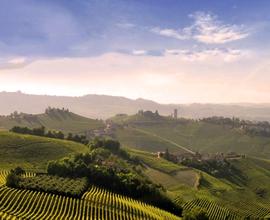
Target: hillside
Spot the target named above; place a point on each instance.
(103, 106)
(53, 119)
(222, 198)
(96, 203)
(182, 135)
(33, 152)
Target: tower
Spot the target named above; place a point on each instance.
(175, 114)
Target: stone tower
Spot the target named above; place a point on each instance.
(175, 114)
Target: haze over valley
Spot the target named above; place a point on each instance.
(134, 110)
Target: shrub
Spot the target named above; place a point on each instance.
(12, 180)
(195, 214)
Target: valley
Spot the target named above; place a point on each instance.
(146, 138)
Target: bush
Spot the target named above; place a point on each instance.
(12, 180)
(19, 171)
(195, 214)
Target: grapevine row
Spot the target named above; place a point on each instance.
(96, 204)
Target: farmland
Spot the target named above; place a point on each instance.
(32, 152)
(96, 203)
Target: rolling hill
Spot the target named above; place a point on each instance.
(220, 197)
(104, 106)
(96, 203)
(53, 119)
(33, 152)
(182, 135)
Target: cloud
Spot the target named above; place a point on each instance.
(206, 28)
(14, 62)
(217, 54)
(212, 31)
(139, 52)
(178, 34)
(177, 76)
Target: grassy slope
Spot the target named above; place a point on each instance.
(166, 173)
(64, 121)
(239, 197)
(158, 135)
(33, 152)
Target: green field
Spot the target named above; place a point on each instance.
(221, 198)
(183, 135)
(33, 152)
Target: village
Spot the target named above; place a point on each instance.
(181, 157)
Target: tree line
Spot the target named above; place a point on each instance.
(261, 128)
(41, 131)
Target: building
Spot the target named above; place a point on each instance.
(175, 114)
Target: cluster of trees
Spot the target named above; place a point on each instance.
(77, 138)
(51, 110)
(195, 214)
(218, 168)
(106, 165)
(261, 128)
(41, 131)
(149, 114)
(14, 177)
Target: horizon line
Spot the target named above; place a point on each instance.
(138, 98)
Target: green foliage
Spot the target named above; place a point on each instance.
(12, 180)
(51, 134)
(110, 144)
(18, 171)
(218, 168)
(261, 128)
(77, 138)
(195, 214)
(54, 184)
(105, 167)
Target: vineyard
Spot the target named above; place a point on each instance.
(54, 184)
(217, 211)
(95, 204)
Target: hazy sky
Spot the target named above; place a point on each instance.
(177, 51)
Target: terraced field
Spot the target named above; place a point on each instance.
(95, 204)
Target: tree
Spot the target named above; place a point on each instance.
(39, 131)
(70, 137)
(96, 143)
(12, 180)
(195, 214)
(19, 171)
(112, 145)
(167, 154)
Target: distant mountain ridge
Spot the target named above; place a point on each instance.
(104, 106)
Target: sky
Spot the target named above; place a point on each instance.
(170, 51)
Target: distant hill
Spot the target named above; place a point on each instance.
(33, 152)
(102, 106)
(53, 119)
(186, 136)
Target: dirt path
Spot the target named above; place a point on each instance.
(165, 139)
